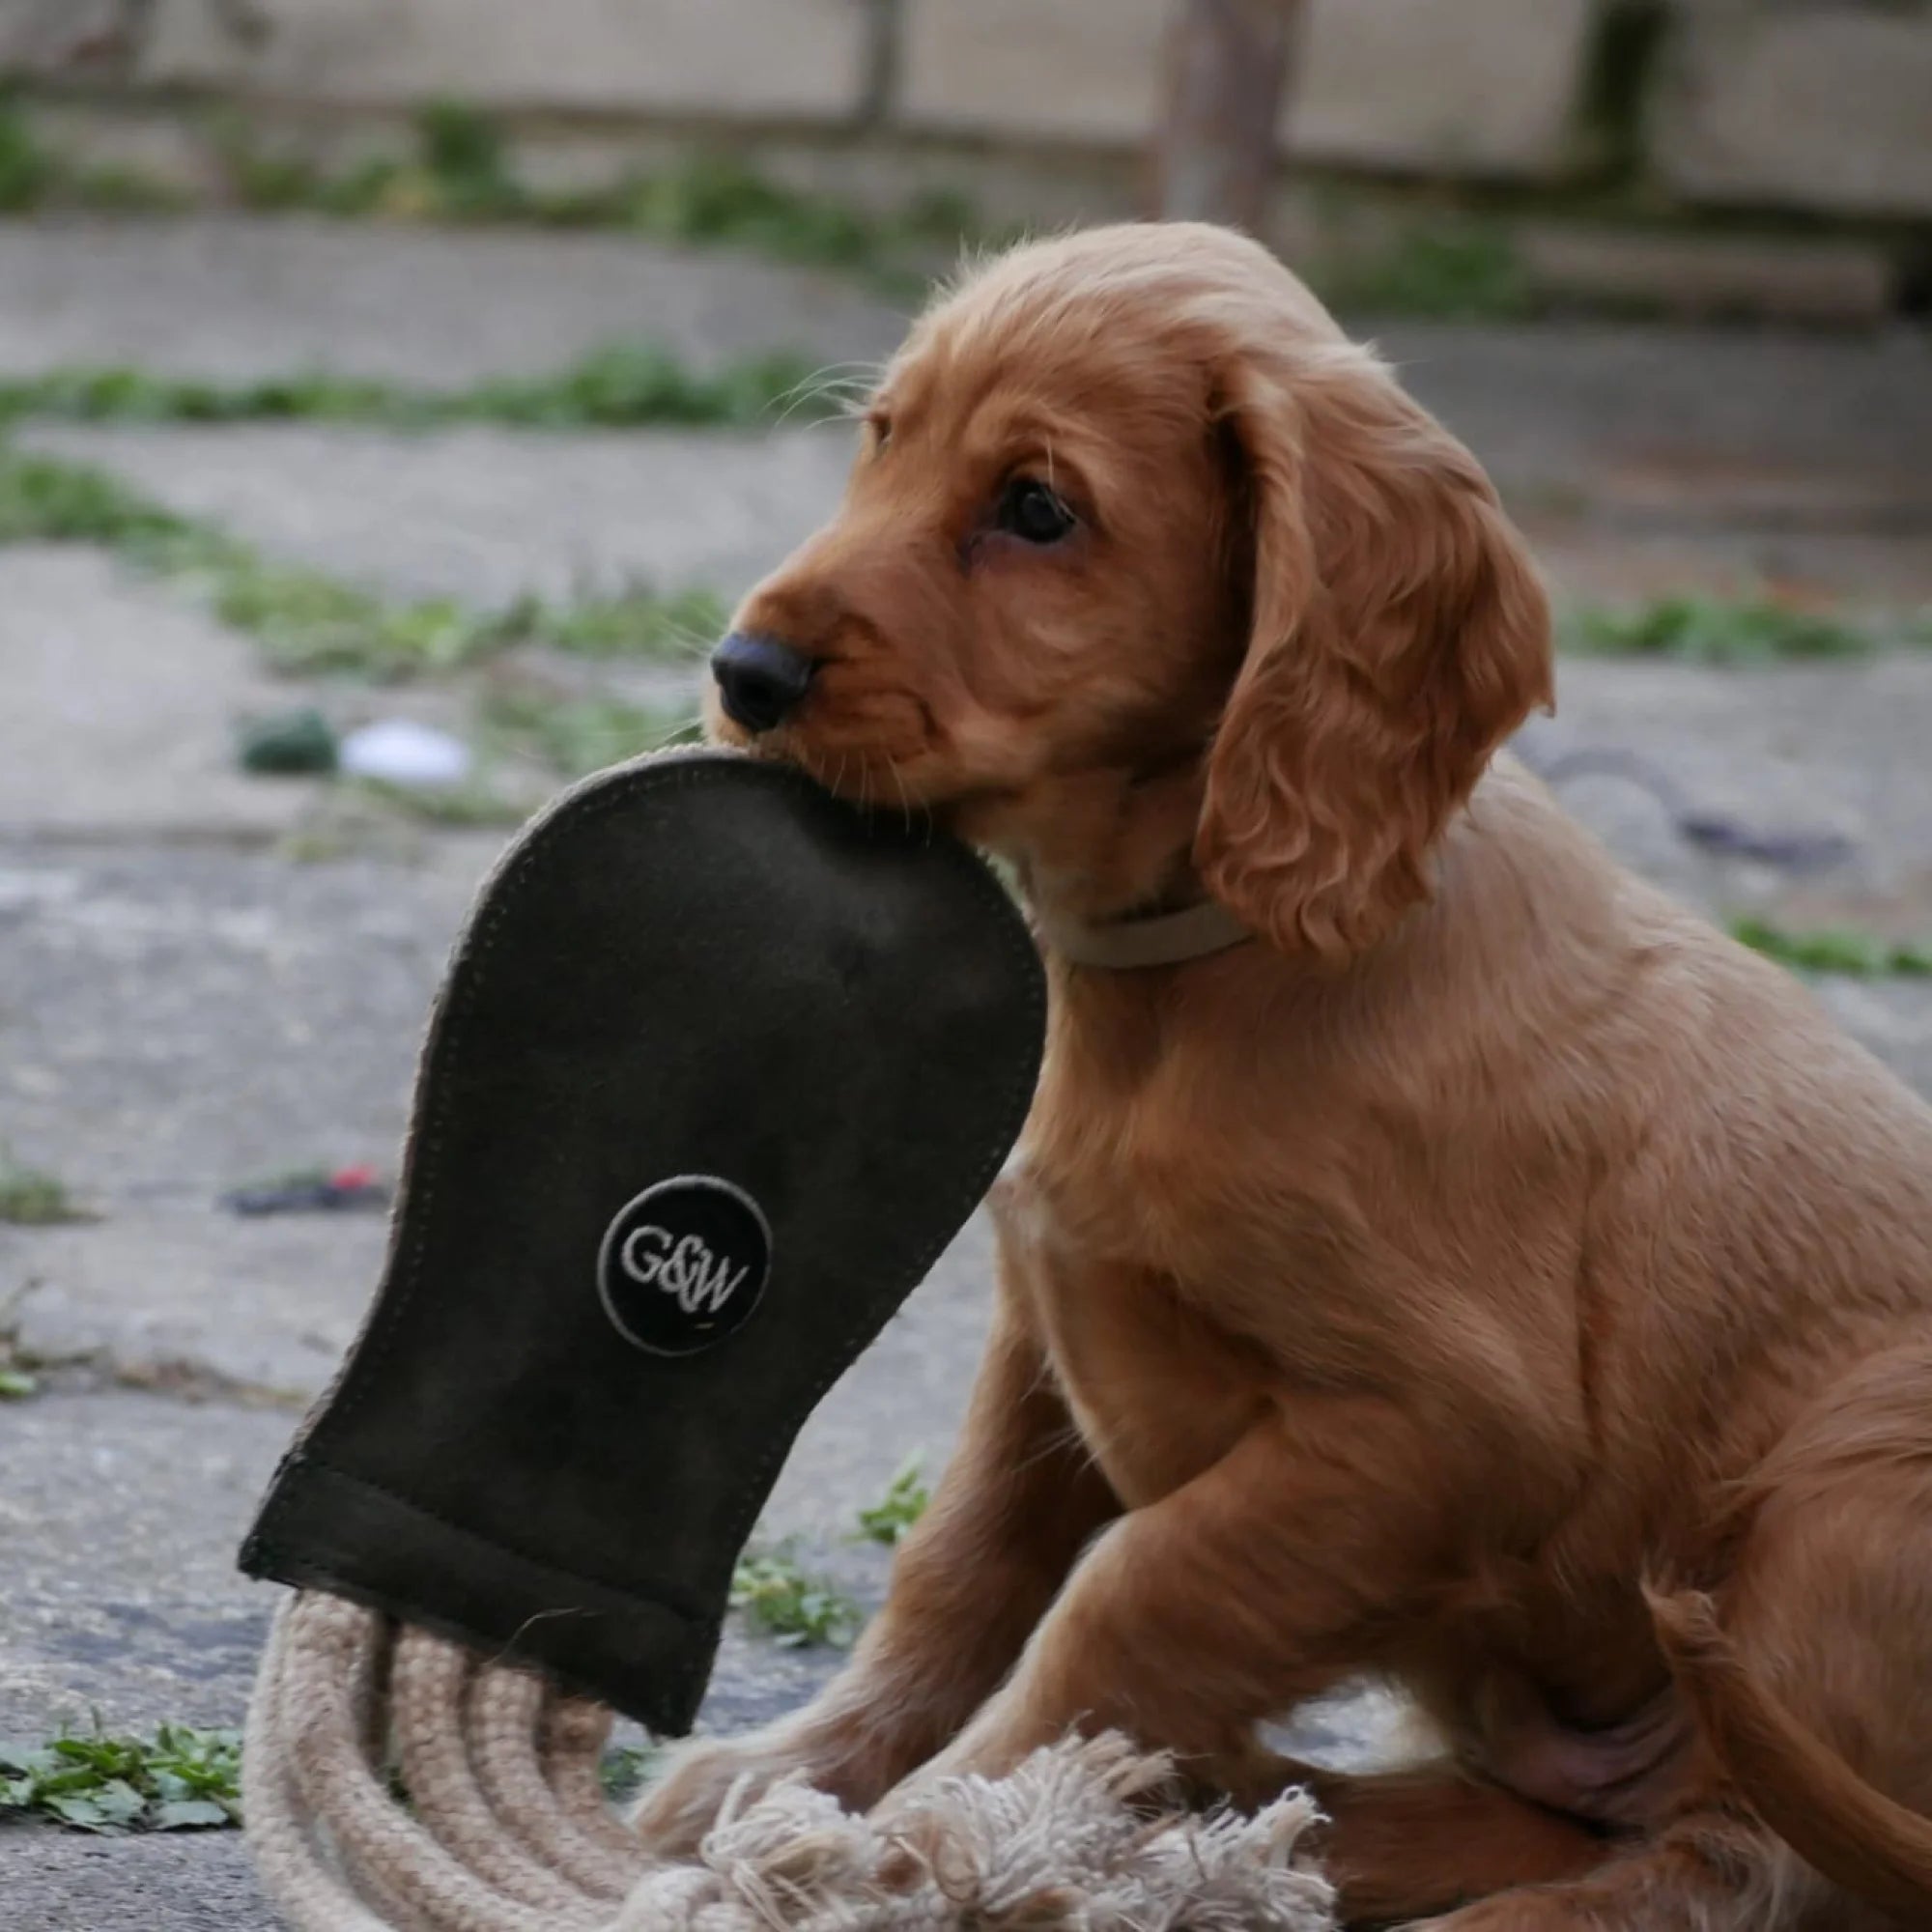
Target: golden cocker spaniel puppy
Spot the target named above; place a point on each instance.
(1431, 1253)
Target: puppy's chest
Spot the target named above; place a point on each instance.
(1219, 1213)
(1160, 1388)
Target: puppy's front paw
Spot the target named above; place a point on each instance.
(845, 1758)
(683, 1804)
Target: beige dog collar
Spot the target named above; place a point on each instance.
(1164, 939)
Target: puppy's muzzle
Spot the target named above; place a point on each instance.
(760, 679)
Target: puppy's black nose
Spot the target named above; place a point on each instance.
(759, 679)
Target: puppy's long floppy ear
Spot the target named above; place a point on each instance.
(1399, 634)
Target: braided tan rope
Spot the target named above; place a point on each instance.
(505, 1827)
(434, 1756)
(511, 1714)
(575, 1733)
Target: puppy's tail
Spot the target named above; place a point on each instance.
(1854, 1835)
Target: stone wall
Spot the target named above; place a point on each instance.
(1821, 106)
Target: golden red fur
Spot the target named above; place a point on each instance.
(1411, 1288)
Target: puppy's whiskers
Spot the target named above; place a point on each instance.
(905, 804)
(685, 730)
(843, 385)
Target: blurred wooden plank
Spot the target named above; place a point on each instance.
(1227, 64)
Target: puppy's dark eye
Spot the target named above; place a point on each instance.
(1029, 511)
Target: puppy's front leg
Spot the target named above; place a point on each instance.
(1263, 1581)
(1016, 1503)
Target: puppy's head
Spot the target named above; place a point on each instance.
(1132, 521)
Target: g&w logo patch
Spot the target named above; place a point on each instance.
(684, 1263)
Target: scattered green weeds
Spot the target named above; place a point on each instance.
(1452, 255)
(790, 1605)
(619, 386)
(903, 1503)
(1724, 631)
(44, 500)
(32, 1198)
(307, 623)
(1834, 949)
(27, 170)
(463, 156)
(1454, 271)
(460, 167)
(718, 201)
(180, 1779)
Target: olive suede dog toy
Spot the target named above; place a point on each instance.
(719, 1065)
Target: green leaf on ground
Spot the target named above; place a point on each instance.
(903, 1503)
(1834, 949)
(626, 1769)
(29, 1197)
(791, 1605)
(181, 1778)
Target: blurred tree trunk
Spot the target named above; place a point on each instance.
(1227, 63)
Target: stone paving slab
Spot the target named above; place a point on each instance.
(122, 1515)
(1644, 461)
(122, 705)
(1396, 85)
(175, 1021)
(1812, 750)
(1489, 87)
(182, 1882)
(1708, 421)
(740, 59)
(1833, 748)
(486, 515)
(233, 297)
(1814, 107)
